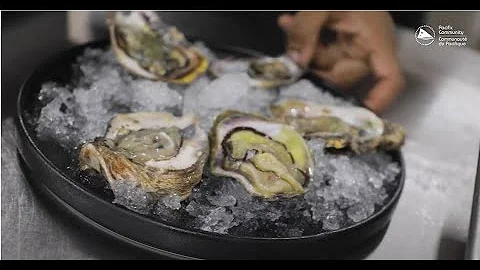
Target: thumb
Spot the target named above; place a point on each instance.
(303, 32)
(285, 22)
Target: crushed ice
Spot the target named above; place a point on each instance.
(81, 111)
(306, 90)
(230, 91)
(345, 190)
(172, 201)
(131, 196)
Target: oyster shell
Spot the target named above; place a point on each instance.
(269, 158)
(149, 48)
(161, 153)
(264, 72)
(341, 126)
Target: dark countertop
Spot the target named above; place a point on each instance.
(439, 110)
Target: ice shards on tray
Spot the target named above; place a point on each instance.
(82, 110)
(346, 188)
(230, 91)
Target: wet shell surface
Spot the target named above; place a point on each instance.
(340, 126)
(264, 72)
(149, 48)
(269, 158)
(161, 153)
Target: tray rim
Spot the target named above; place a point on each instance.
(92, 223)
(21, 124)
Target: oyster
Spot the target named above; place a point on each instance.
(264, 72)
(158, 152)
(341, 126)
(269, 158)
(147, 47)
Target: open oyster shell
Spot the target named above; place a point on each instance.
(270, 159)
(158, 152)
(149, 48)
(341, 127)
(264, 72)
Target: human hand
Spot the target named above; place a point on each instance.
(365, 43)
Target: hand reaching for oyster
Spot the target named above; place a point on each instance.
(363, 43)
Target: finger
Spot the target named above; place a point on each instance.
(374, 41)
(384, 93)
(358, 32)
(345, 72)
(353, 46)
(325, 57)
(303, 35)
(345, 45)
(390, 81)
(285, 21)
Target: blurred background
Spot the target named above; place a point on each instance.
(28, 38)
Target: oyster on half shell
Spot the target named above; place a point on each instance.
(149, 48)
(264, 72)
(340, 126)
(269, 158)
(160, 153)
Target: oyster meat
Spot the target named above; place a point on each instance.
(264, 72)
(340, 126)
(269, 158)
(149, 48)
(157, 152)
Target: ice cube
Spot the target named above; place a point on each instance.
(57, 120)
(221, 94)
(222, 200)
(224, 92)
(218, 220)
(190, 94)
(195, 209)
(130, 195)
(172, 201)
(295, 232)
(306, 90)
(273, 214)
(257, 100)
(333, 220)
(154, 96)
(360, 211)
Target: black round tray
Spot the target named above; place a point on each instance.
(46, 167)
